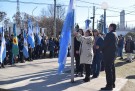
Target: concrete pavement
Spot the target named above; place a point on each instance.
(41, 75)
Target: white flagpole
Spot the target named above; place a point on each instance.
(72, 47)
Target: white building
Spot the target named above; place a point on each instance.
(122, 20)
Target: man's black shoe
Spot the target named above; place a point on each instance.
(93, 77)
(121, 58)
(113, 85)
(2, 66)
(76, 75)
(86, 79)
(107, 88)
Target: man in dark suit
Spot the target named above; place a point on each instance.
(109, 56)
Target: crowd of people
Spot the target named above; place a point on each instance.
(50, 45)
(95, 52)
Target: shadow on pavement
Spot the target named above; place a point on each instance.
(42, 81)
(120, 63)
(131, 77)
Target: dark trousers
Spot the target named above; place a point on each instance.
(51, 54)
(88, 70)
(30, 54)
(44, 52)
(96, 65)
(110, 72)
(8, 57)
(38, 52)
(21, 56)
(79, 67)
(102, 65)
(120, 52)
(2, 65)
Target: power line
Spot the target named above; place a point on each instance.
(94, 4)
(9, 1)
(100, 5)
(25, 2)
(129, 13)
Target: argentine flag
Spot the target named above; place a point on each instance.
(66, 36)
(15, 49)
(87, 23)
(2, 47)
(31, 40)
(25, 47)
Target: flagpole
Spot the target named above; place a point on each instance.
(72, 55)
(72, 50)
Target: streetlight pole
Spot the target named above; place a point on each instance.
(54, 27)
(93, 18)
(104, 6)
(34, 10)
(105, 21)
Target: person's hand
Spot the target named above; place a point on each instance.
(97, 47)
(75, 33)
(77, 52)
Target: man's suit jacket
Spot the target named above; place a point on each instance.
(110, 46)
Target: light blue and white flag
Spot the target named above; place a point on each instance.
(66, 36)
(2, 48)
(25, 47)
(87, 23)
(31, 40)
(38, 36)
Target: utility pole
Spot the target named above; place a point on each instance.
(54, 27)
(58, 11)
(18, 21)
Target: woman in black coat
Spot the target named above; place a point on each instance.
(129, 47)
(79, 68)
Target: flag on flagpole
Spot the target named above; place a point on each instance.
(87, 23)
(15, 49)
(38, 36)
(2, 47)
(1, 29)
(66, 36)
(31, 40)
(25, 47)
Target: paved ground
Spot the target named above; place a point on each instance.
(41, 75)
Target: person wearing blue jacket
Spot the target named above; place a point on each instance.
(51, 47)
(96, 65)
(120, 46)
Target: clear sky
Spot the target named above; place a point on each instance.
(81, 12)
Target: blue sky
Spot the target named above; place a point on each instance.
(81, 13)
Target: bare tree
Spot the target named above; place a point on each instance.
(100, 24)
(24, 19)
(47, 20)
(6, 22)
(2, 15)
(60, 11)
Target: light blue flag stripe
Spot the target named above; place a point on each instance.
(31, 40)
(3, 48)
(65, 37)
(25, 47)
(87, 22)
